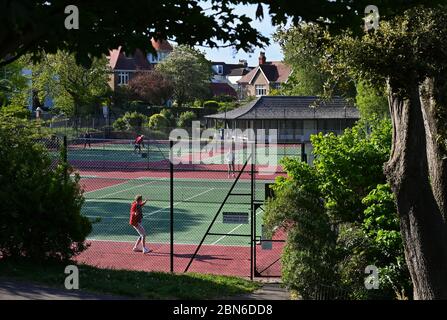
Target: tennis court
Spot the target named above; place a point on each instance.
(196, 202)
(112, 174)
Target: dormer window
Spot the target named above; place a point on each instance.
(219, 69)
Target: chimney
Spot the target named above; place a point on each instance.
(243, 63)
(262, 58)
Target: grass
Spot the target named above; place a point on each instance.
(136, 284)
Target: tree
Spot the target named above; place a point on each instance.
(158, 122)
(14, 88)
(371, 102)
(40, 206)
(407, 54)
(152, 87)
(76, 90)
(340, 216)
(190, 73)
(186, 118)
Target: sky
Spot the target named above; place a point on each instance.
(265, 27)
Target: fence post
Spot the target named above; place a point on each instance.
(65, 159)
(171, 205)
(253, 213)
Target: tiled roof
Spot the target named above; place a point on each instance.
(292, 107)
(119, 60)
(220, 89)
(228, 68)
(161, 45)
(122, 61)
(274, 71)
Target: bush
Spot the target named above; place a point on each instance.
(131, 121)
(40, 205)
(120, 125)
(186, 118)
(225, 98)
(15, 111)
(158, 122)
(211, 105)
(167, 113)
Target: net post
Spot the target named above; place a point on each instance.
(171, 203)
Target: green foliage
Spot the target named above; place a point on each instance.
(341, 215)
(167, 113)
(189, 72)
(186, 118)
(158, 122)
(14, 87)
(40, 206)
(131, 121)
(76, 90)
(211, 105)
(15, 111)
(303, 52)
(371, 102)
(225, 98)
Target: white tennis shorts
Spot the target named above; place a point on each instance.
(140, 230)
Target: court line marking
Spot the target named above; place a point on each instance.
(234, 229)
(105, 187)
(175, 203)
(126, 189)
(167, 243)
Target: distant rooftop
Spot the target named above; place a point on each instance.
(292, 107)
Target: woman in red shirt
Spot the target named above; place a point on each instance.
(136, 216)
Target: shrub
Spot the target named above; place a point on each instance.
(120, 125)
(186, 118)
(211, 105)
(15, 111)
(40, 205)
(225, 98)
(158, 122)
(167, 113)
(131, 121)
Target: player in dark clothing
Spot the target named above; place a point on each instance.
(87, 137)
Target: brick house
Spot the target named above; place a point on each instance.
(266, 76)
(124, 65)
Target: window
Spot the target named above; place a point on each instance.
(260, 90)
(219, 69)
(123, 78)
(276, 85)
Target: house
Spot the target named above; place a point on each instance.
(125, 65)
(295, 117)
(230, 73)
(261, 80)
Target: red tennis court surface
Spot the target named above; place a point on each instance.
(211, 259)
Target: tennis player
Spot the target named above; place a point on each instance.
(136, 216)
(138, 142)
(231, 159)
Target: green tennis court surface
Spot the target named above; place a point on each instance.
(158, 152)
(195, 205)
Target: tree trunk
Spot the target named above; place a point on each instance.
(416, 171)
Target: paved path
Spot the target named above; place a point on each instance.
(15, 290)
